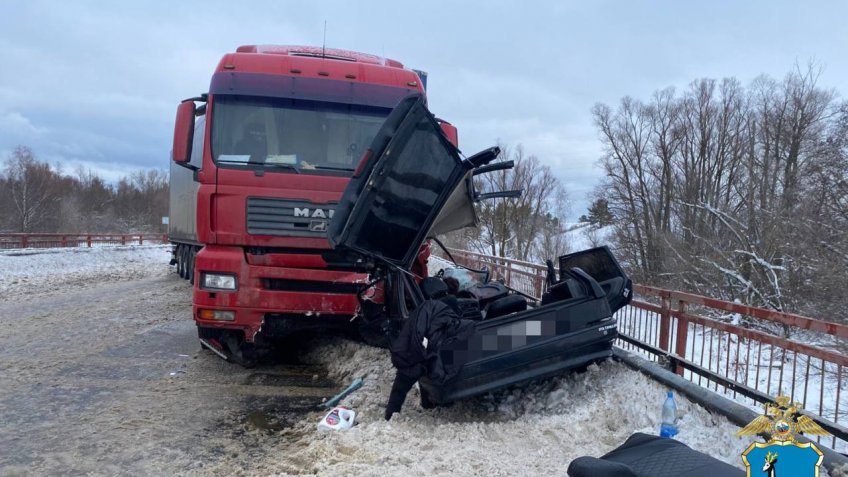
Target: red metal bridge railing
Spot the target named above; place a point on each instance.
(745, 353)
(526, 277)
(17, 240)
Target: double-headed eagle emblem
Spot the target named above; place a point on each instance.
(782, 422)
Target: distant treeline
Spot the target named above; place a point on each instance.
(38, 197)
(735, 192)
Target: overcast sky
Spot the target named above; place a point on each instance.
(97, 83)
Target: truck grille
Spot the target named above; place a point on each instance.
(279, 284)
(290, 218)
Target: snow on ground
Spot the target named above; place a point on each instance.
(537, 430)
(26, 272)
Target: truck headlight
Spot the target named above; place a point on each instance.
(218, 282)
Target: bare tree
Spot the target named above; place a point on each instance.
(731, 192)
(33, 195)
(528, 227)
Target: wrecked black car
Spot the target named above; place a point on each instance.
(412, 185)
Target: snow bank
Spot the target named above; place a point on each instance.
(536, 430)
(31, 271)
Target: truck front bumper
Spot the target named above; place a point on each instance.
(305, 295)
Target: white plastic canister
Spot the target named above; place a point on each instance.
(338, 418)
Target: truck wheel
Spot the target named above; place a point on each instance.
(180, 261)
(248, 356)
(184, 261)
(239, 351)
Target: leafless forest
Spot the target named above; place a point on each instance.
(733, 191)
(530, 227)
(39, 197)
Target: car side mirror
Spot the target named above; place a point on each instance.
(184, 132)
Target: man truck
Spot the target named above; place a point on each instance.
(259, 163)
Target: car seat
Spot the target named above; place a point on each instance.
(506, 305)
(644, 455)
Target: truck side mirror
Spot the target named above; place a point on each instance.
(449, 131)
(184, 132)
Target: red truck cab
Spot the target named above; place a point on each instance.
(261, 164)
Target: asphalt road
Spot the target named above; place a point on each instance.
(110, 380)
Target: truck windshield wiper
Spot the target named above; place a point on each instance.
(280, 165)
(334, 168)
(264, 164)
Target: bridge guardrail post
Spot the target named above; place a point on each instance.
(539, 286)
(665, 324)
(682, 334)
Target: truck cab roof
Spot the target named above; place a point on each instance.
(319, 52)
(316, 62)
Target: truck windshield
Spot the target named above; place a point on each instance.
(291, 135)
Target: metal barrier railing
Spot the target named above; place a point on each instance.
(743, 352)
(748, 354)
(17, 240)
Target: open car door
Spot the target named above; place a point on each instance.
(600, 264)
(402, 184)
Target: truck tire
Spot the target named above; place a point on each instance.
(180, 265)
(184, 260)
(239, 351)
(248, 356)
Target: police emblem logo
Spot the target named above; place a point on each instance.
(782, 455)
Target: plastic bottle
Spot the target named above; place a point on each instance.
(337, 419)
(668, 428)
